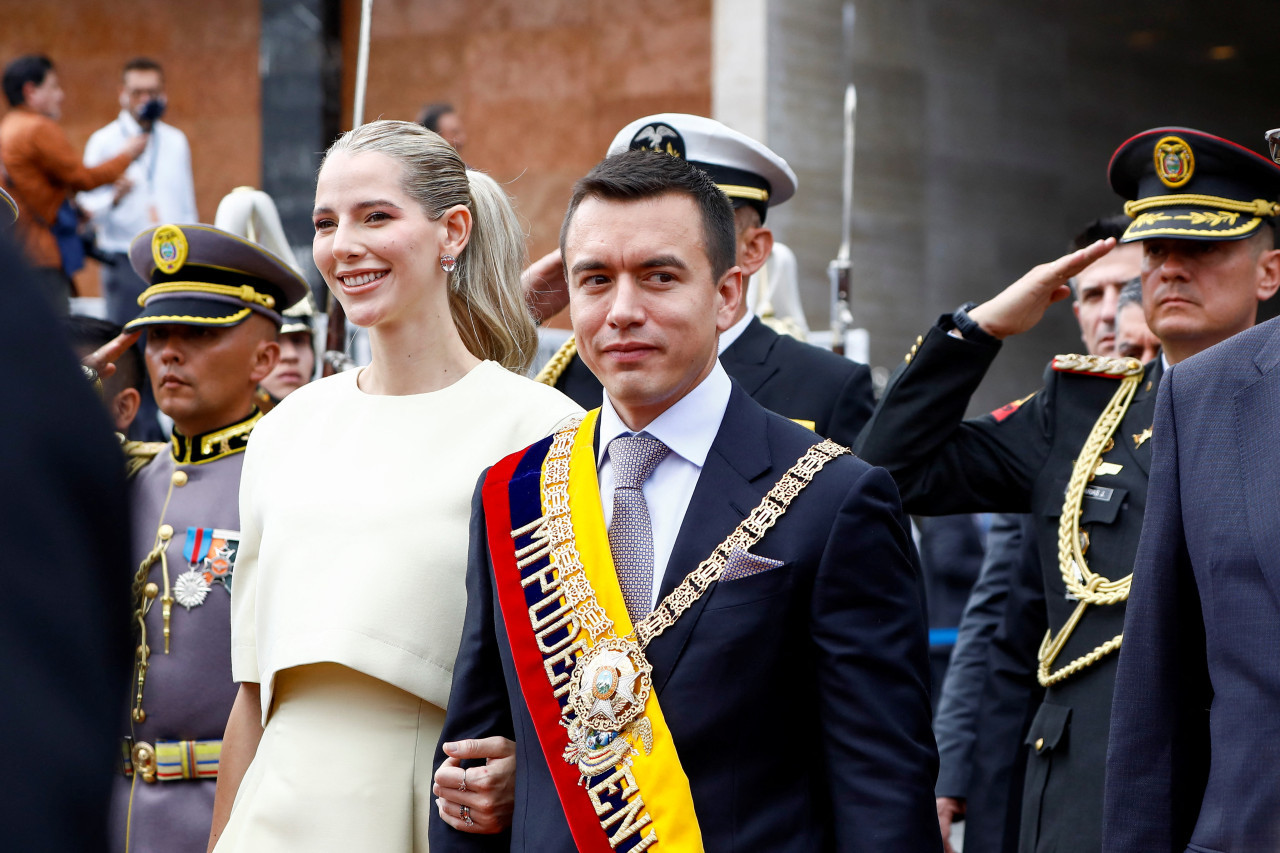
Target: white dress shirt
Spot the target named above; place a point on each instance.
(689, 427)
(163, 188)
(731, 334)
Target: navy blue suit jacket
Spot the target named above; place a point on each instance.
(797, 697)
(1195, 733)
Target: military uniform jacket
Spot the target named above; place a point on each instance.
(1019, 459)
(788, 377)
(188, 693)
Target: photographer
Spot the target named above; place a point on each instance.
(156, 188)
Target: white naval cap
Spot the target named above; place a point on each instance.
(743, 168)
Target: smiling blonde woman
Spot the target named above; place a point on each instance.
(349, 597)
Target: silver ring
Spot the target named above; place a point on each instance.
(463, 786)
(464, 812)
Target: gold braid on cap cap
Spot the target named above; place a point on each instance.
(739, 191)
(243, 292)
(1257, 207)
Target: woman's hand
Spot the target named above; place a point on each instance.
(477, 799)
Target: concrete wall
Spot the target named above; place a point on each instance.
(984, 131)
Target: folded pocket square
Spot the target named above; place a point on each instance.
(743, 564)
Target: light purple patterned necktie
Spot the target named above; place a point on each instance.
(634, 458)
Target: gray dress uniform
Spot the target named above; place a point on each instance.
(186, 524)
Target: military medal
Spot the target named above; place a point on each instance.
(190, 589)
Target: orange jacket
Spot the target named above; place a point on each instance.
(43, 169)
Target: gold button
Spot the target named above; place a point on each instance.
(151, 590)
(919, 340)
(1039, 744)
(165, 532)
(908, 358)
(179, 478)
(139, 715)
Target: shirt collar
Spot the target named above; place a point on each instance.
(689, 427)
(731, 334)
(129, 122)
(209, 446)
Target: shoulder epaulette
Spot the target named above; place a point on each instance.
(1098, 365)
(138, 455)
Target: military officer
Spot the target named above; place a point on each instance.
(1076, 454)
(211, 313)
(818, 389)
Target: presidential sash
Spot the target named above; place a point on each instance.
(620, 790)
(600, 725)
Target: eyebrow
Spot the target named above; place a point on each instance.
(378, 202)
(649, 263)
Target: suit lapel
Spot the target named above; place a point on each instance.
(722, 498)
(1255, 406)
(746, 360)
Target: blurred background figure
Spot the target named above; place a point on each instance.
(444, 120)
(1134, 338)
(157, 187)
(122, 390)
(40, 170)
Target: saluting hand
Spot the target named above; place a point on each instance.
(546, 291)
(1020, 306)
(103, 359)
(485, 802)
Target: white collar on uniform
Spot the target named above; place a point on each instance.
(731, 334)
(689, 427)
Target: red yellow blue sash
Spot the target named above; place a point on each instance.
(618, 793)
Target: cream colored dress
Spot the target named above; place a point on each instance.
(349, 597)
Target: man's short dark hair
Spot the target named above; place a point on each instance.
(90, 333)
(641, 175)
(1101, 229)
(32, 68)
(432, 113)
(142, 63)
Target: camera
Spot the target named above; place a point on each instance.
(152, 110)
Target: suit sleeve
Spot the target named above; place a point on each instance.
(478, 702)
(956, 721)
(853, 406)
(1157, 758)
(942, 463)
(871, 644)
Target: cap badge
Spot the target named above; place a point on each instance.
(659, 137)
(1174, 161)
(169, 248)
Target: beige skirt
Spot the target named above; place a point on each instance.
(344, 764)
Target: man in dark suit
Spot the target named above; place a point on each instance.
(64, 533)
(1077, 453)
(816, 388)
(766, 692)
(1194, 725)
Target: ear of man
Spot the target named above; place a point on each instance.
(755, 241)
(266, 351)
(730, 290)
(124, 408)
(1268, 260)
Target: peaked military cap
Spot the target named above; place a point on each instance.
(744, 169)
(1188, 185)
(202, 276)
(8, 208)
(298, 317)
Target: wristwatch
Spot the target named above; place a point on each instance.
(969, 330)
